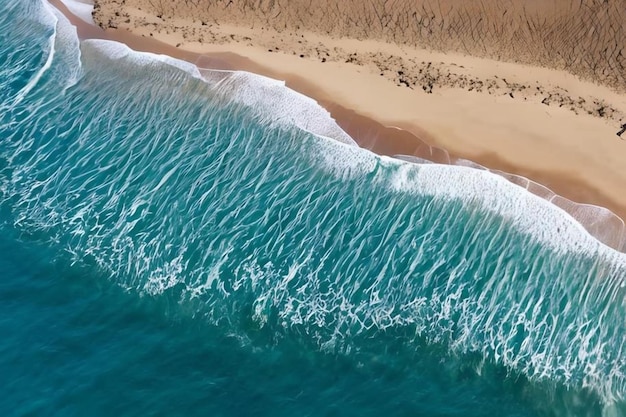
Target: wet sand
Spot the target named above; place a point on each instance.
(379, 137)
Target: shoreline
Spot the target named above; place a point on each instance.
(407, 138)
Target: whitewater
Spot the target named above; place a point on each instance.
(181, 241)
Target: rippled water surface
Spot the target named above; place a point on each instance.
(177, 242)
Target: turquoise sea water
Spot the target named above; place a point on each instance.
(177, 242)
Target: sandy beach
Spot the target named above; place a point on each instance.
(543, 124)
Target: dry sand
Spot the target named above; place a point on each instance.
(544, 124)
(584, 37)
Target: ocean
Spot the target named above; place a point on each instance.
(184, 242)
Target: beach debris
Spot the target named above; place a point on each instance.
(621, 131)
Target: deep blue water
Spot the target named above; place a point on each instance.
(182, 243)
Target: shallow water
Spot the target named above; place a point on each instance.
(185, 243)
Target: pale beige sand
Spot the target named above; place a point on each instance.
(540, 123)
(585, 37)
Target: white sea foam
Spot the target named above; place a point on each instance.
(599, 222)
(270, 99)
(40, 12)
(528, 212)
(118, 51)
(276, 103)
(534, 215)
(46, 16)
(63, 49)
(67, 48)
